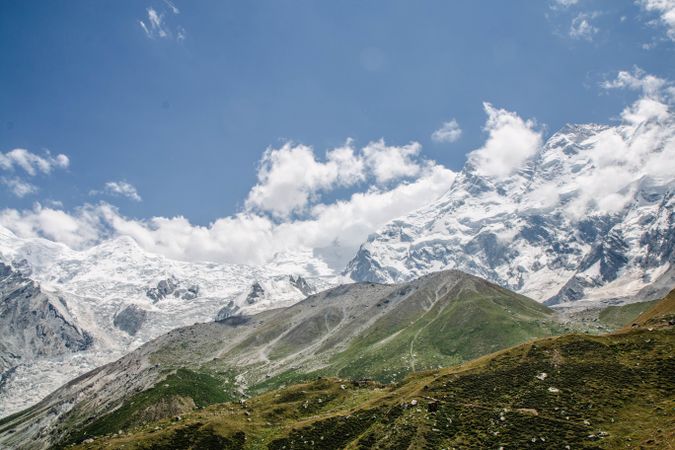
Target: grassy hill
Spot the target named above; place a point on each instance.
(365, 330)
(612, 391)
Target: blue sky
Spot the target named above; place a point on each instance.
(184, 111)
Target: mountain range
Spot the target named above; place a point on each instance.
(65, 312)
(586, 221)
(580, 390)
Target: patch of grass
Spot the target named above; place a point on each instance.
(177, 393)
(615, 317)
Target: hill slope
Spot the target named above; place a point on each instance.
(574, 391)
(356, 331)
(662, 314)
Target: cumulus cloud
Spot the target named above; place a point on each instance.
(334, 230)
(31, 163)
(511, 142)
(448, 132)
(389, 163)
(582, 28)
(637, 79)
(665, 9)
(119, 189)
(78, 229)
(292, 177)
(657, 94)
(387, 182)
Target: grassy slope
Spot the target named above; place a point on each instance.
(464, 324)
(660, 314)
(612, 391)
(617, 317)
(450, 333)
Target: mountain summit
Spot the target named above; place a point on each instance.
(590, 215)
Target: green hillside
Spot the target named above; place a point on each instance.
(613, 391)
(616, 317)
(360, 331)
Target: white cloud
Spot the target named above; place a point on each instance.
(389, 163)
(291, 177)
(448, 132)
(335, 230)
(638, 79)
(564, 3)
(511, 141)
(156, 26)
(19, 187)
(172, 7)
(581, 27)
(396, 180)
(32, 163)
(666, 12)
(642, 147)
(77, 230)
(120, 189)
(657, 93)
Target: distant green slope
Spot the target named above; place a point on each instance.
(591, 392)
(616, 317)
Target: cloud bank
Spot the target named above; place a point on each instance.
(291, 210)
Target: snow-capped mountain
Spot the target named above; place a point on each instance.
(589, 216)
(115, 296)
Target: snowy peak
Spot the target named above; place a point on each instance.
(590, 215)
(116, 296)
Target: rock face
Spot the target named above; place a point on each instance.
(130, 319)
(540, 231)
(163, 289)
(255, 293)
(265, 294)
(34, 324)
(301, 284)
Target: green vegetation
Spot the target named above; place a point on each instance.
(613, 391)
(578, 390)
(616, 317)
(180, 392)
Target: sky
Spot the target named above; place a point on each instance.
(195, 126)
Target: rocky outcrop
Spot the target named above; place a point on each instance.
(130, 319)
(163, 289)
(301, 284)
(33, 323)
(171, 286)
